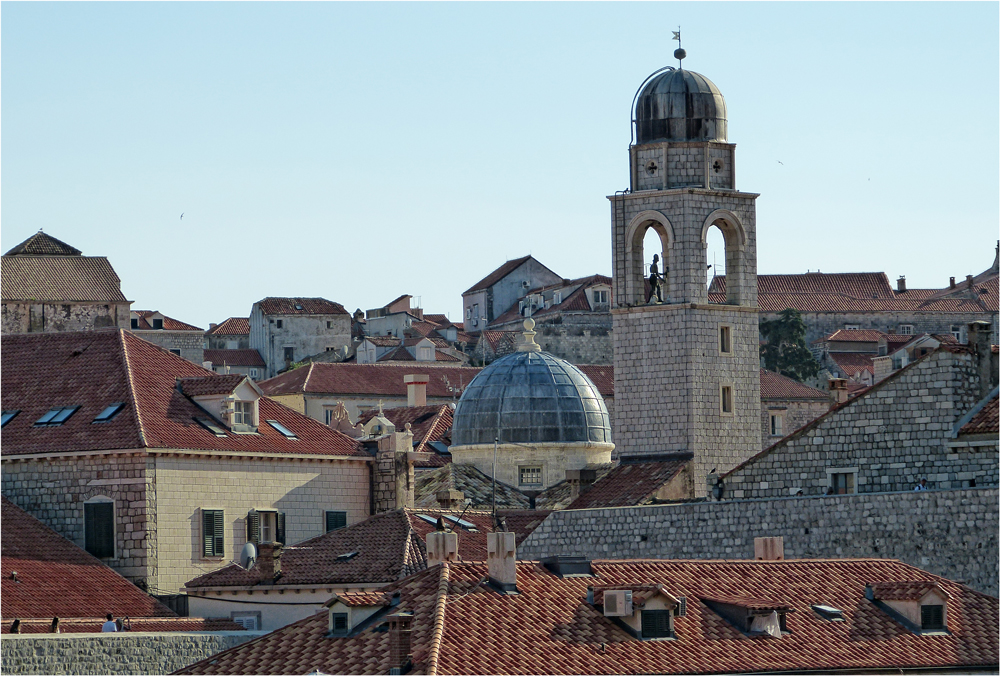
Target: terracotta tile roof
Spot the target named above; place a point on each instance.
(355, 599)
(94, 369)
(633, 482)
(290, 306)
(369, 379)
(398, 354)
(501, 340)
(853, 335)
(759, 605)
(41, 244)
(441, 320)
(603, 377)
(169, 324)
(428, 423)
(384, 341)
(574, 302)
(55, 578)
(476, 486)
(199, 386)
(441, 355)
(776, 386)
(92, 625)
(234, 326)
(59, 278)
(498, 274)
(243, 357)
(425, 329)
(853, 363)
(986, 421)
(853, 284)
(389, 546)
(905, 590)
(560, 495)
(462, 626)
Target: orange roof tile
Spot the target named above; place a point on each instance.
(169, 323)
(853, 363)
(59, 278)
(633, 482)
(234, 326)
(243, 357)
(986, 421)
(776, 386)
(300, 306)
(369, 379)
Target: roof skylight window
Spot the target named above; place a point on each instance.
(427, 518)
(56, 416)
(281, 428)
(109, 412)
(347, 557)
(462, 522)
(211, 426)
(829, 613)
(7, 417)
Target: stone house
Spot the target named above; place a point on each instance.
(393, 318)
(232, 334)
(175, 336)
(158, 467)
(894, 355)
(374, 347)
(49, 286)
(246, 362)
(288, 330)
(786, 405)
(495, 293)
(886, 438)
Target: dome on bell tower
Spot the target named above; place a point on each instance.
(680, 105)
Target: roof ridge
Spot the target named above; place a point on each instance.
(437, 635)
(131, 388)
(432, 427)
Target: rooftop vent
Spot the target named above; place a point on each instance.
(568, 566)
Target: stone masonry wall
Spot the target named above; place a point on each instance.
(820, 324)
(951, 533)
(50, 317)
(794, 415)
(190, 343)
(890, 436)
(118, 653)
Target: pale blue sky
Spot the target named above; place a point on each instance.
(361, 151)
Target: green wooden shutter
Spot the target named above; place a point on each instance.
(335, 520)
(213, 532)
(253, 527)
(279, 535)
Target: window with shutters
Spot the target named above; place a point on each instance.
(338, 622)
(656, 624)
(99, 528)
(335, 520)
(213, 533)
(265, 526)
(931, 617)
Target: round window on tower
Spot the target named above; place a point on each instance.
(718, 165)
(651, 167)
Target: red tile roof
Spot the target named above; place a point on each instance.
(986, 421)
(776, 386)
(853, 284)
(633, 482)
(41, 244)
(290, 306)
(244, 357)
(574, 302)
(169, 324)
(369, 379)
(477, 487)
(603, 377)
(853, 363)
(498, 274)
(398, 354)
(55, 578)
(94, 369)
(853, 335)
(92, 625)
(501, 340)
(200, 386)
(461, 625)
(384, 341)
(59, 278)
(902, 590)
(389, 546)
(234, 326)
(428, 423)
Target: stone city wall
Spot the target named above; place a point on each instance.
(950, 533)
(118, 653)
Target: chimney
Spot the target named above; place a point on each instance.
(501, 561)
(951, 282)
(211, 325)
(968, 281)
(901, 284)
(838, 390)
(580, 481)
(450, 499)
(442, 545)
(416, 390)
(393, 468)
(769, 549)
(399, 642)
(269, 560)
(980, 340)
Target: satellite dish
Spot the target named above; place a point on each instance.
(248, 556)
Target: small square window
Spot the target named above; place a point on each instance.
(254, 373)
(175, 351)
(7, 417)
(906, 329)
(56, 416)
(852, 327)
(530, 476)
(279, 323)
(281, 428)
(329, 325)
(601, 297)
(956, 331)
(157, 324)
(335, 520)
(135, 323)
(725, 340)
(842, 483)
(932, 617)
(243, 413)
(249, 620)
(776, 427)
(289, 354)
(109, 412)
(338, 623)
(726, 399)
(656, 624)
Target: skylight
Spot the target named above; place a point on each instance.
(211, 426)
(7, 417)
(109, 412)
(347, 557)
(56, 416)
(428, 519)
(462, 522)
(829, 613)
(281, 428)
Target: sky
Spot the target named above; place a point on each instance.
(361, 151)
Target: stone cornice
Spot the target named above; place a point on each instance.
(676, 307)
(713, 192)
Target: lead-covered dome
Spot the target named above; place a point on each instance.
(680, 105)
(530, 397)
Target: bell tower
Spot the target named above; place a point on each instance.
(686, 362)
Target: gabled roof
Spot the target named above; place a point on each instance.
(60, 278)
(986, 421)
(397, 354)
(776, 386)
(169, 323)
(461, 625)
(904, 590)
(94, 369)
(384, 341)
(300, 306)
(200, 386)
(234, 326)
(853, 363)
(427, 423)
(241, 357)
(369, 379)
(574, 302)
(476, 486)
(633, 482)
(499, 340)
(41, 244)
(852, 336)
(498, 274)
(389, 546)
(55, 578)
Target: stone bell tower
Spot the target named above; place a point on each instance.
(686, 364)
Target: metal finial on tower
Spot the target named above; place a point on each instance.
(679, 53)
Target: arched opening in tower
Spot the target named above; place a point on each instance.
(715, 264)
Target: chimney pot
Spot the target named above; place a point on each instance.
(211, 325)
(838, 390)
(441, 546)
(501, 560)
(769, 549)
(400, 631)
(951, 282)
(416, 390)
(968, 280)
(901, 284)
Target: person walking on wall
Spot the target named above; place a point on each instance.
(922, 486)
(110, 625)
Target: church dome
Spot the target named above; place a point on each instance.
(680, 105)
(530, 397)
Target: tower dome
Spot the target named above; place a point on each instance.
(680, 105)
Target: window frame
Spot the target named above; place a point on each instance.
(239, 416)
(933, 608)
(725, 342)
(906, 329)
(523, 469)
(326, 519)
(279, 324)
(654, 632)
(109, 412)
(723, 400)
(8, 416)
(217, 548)
(91, 533)
(852, 327)
(333, 624)
(777, 430)
(157, 324)
(852, 472)
(255, 615)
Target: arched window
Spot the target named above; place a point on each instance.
(649, 233)
(734, 242)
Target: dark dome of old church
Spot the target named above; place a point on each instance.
(680, 105)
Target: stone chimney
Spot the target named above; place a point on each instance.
(951, 282)
(400, 630)
(580, 481)
(901, 284)
(838, 390)
(269, 560)
(769, 549)
(393, 468)
(968, 281)
(980, 340)
(416, 390)
(501, 560)
(450, 499)
(211, 325)
(442, 546)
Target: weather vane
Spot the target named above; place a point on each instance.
(679, 53)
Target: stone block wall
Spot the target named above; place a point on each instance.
(577, 345)
(890, 437)
(820, 324)
(191, 344)
(794, 415)
(951, 533)
(51, 317)
(118, 653)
